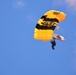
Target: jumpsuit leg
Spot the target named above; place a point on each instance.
(53, 43)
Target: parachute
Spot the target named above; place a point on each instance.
(46, 25)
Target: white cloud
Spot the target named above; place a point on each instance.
(19, 4)
(71, 3)
(58, 2)
(31, 18)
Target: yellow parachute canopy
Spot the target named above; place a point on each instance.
(44, 29)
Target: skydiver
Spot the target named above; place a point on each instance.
(53, 43)
(56, 37)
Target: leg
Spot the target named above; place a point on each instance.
(53, 43)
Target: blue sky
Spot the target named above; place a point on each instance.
(20, 54)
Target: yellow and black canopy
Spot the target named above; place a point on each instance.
(45, 26)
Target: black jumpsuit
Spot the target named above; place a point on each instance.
(53, 43)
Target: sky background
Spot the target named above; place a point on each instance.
(20, 54)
